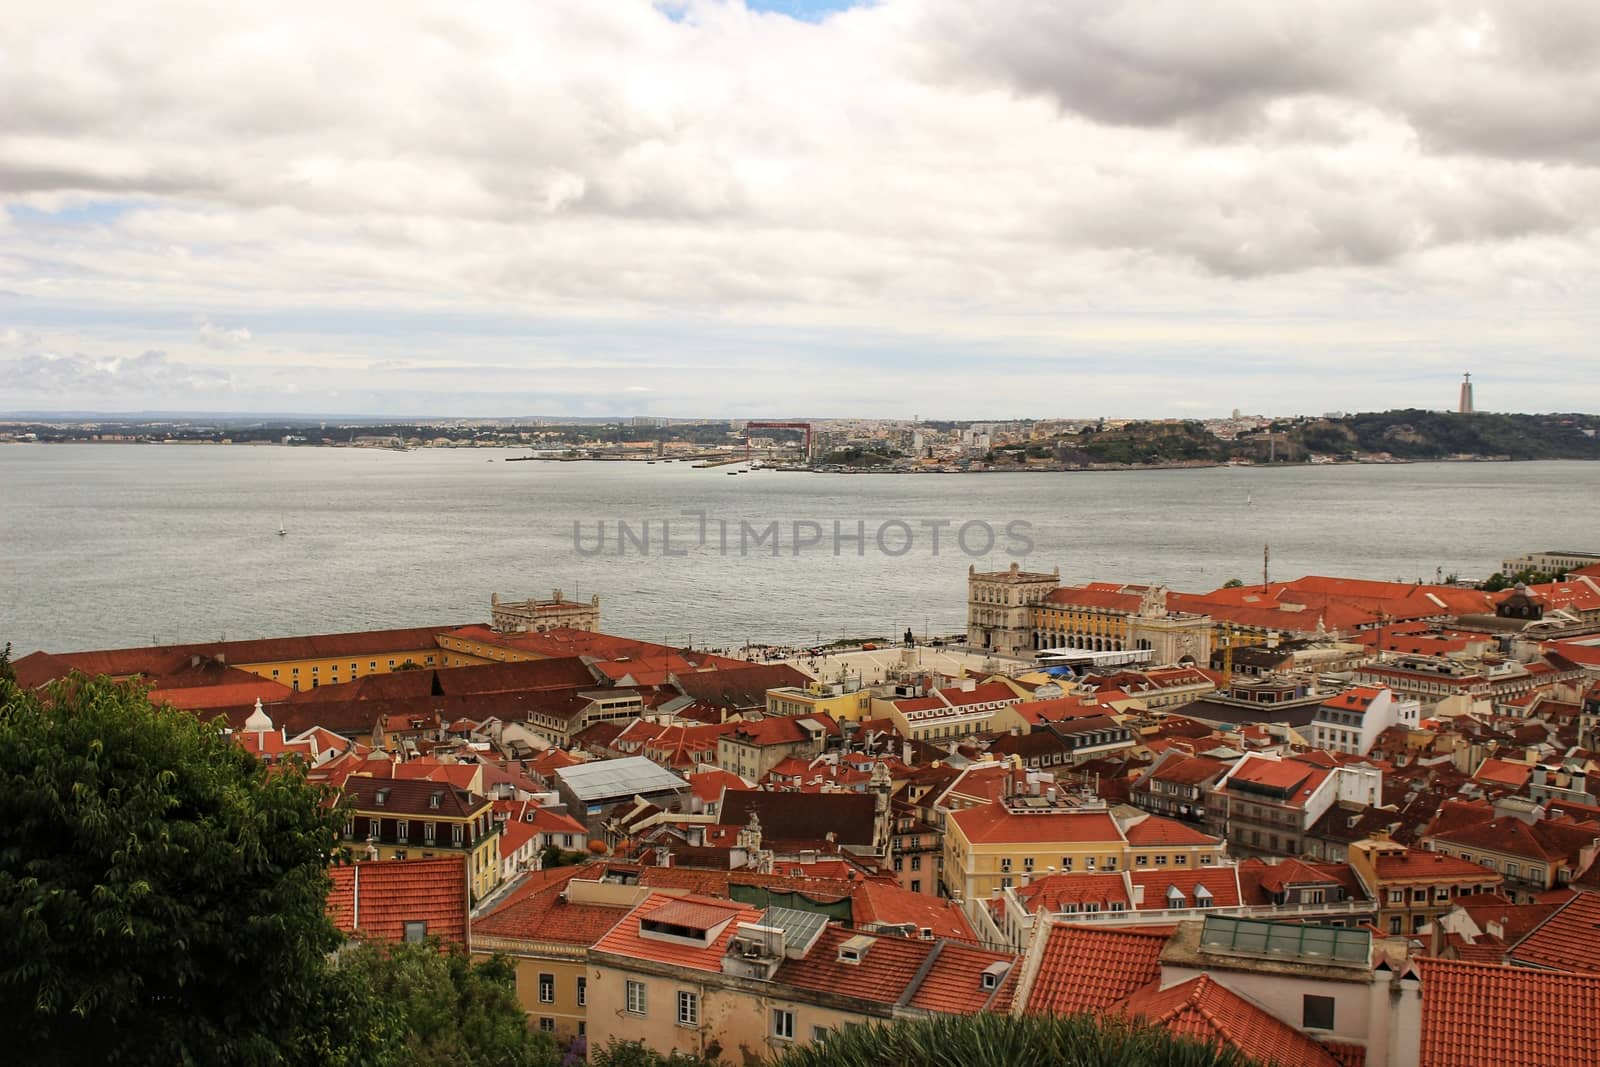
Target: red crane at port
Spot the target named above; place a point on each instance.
(806, 426)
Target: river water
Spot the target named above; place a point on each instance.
(111, 545)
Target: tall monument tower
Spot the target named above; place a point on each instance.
(1466, 393)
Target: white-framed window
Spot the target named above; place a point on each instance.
(417, 930)
(583, 990)
(688, 1008)
(783, 1024)
(547, 989)
(636, 1002)
(547, 1025)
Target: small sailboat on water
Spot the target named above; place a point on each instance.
(282, 532)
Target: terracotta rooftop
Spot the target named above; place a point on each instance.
(1565, 940)
(1058, 892)
(1088, 969)
(995, 824)
(1191, 770)
(546, 915)
(1157, 830)
(627, 939)
(1205, 1011)
(953, 985)
(376, 898)
(889, 971)
(1291, 776)
(1475, 1014)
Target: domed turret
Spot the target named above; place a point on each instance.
(258, 722)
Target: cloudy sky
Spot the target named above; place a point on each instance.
(976, 208)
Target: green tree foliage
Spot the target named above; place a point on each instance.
(1527, 576)
(8, 673)
(439, 1009)
(163, 901)
(162, 897)
(1233, 583)
(1001, 1041)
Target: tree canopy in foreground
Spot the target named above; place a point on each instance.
(1002, 1041)
(163, 900)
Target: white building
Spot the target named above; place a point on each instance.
(1351, 721)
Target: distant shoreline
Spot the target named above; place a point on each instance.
(731, 460)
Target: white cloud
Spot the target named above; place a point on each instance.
(1042, 178)
(213, 336)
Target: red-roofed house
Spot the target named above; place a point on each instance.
(987, 848)
(676, 974)
(546, 929)
(1273, 803)
(1533, 856)
(1351, 721)
(950, 713)
(1411, 886)
(751, 749)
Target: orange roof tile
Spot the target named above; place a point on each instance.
(953, 985)
(626, 939)
(1058, 892)
(1565, 941)
(993, 823)
(1475, 1014)
(1088, 969)
(1157, 830)
(547, 915)
(1205, 1010)
(376, 898)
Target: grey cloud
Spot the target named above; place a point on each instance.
(1503, 78)
(150, 373)
(1142, 63)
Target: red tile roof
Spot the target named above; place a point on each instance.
(1476, 1014)
(1098, 595)
(1565, 941)
(995, 824)
(547, 915)
(890, 968)
(1422, 863)
(1358, 698)
(1221, 883)
(1157, 830)
(376, 898)
(1088, 969)
(625, 939)
(1278, 774)
(886, 904)
(1504, 772)
(1204, 1010)
(1191, 770)
(1057, 892)
(953, 985)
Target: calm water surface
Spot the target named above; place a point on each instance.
(105, 545)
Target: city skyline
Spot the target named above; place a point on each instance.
(905, 207)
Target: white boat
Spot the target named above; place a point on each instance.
(281, 531)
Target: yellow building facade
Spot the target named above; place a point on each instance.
(390, 819)
(821, 698)
(994, 846)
